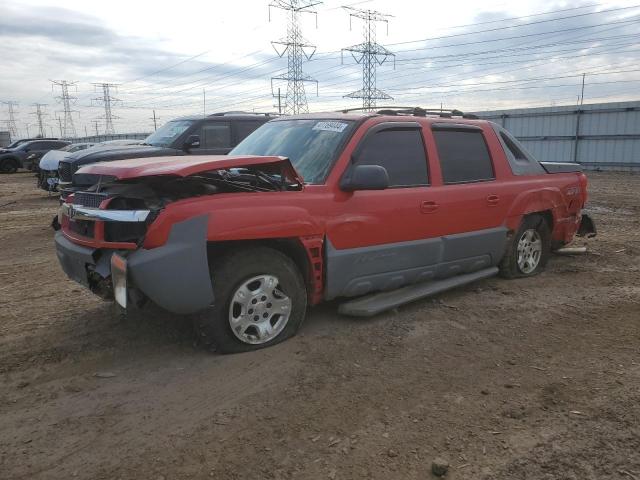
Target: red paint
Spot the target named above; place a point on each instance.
(362, 218)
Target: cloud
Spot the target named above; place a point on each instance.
(42, 43)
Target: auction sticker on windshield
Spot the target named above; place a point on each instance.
(331, 126)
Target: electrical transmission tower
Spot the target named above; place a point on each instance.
(39, 113)
(107, 100)
(11, 120)
(369, 54)
(68, 130)
(297, 50)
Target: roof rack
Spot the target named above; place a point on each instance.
(416, 112)
(238, 112)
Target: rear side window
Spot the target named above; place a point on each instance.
(464, 156)
(215, 135)
(517, 153)
(401, 152)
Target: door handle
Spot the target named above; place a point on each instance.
(428, 207)
(493, 199)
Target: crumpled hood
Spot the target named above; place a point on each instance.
(51, 159)
(182, 166)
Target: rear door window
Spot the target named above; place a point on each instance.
(215, 135)
(244, 129)
(464, 156)
(401, 152)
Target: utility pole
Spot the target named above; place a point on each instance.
(155, 125)
(11, 121)
(107, 100)
(297, 50)
(39, 113)
(582, 92)
(85, 131)
(204, 103)
(369, 54)
(26, 126)
(95, 123)
(69, 130)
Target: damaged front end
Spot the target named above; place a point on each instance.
(101, 241)
(587, 227)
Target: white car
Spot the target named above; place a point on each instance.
(48, 174)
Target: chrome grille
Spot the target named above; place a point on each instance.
(65, 171)
(89, 199)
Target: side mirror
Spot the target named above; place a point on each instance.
(365, 177)
(192, 142)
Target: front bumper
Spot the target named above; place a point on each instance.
(48, 180)
(174, 276)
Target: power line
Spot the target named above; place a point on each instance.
(369, 54)
(297, 50)
(507, 27)
(253, 66)
(476, 42)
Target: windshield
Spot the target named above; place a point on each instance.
(310, 145)
(15, 144)
(166, 134)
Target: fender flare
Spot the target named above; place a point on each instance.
(548, 199)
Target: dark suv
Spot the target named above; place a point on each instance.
(214, 134)
(27, 154)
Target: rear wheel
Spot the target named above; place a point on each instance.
(8, 165)
(260, 300)
(528, 251)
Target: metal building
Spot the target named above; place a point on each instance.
(601, 136)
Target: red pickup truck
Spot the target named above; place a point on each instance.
(378, 209)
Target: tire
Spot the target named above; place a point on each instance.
(273, 288)
(8, 165)
(528, 249)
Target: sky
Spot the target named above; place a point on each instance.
(191, 57)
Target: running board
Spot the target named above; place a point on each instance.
(379, 302)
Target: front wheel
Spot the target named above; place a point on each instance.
(260, 300)
(8, 165)
(528, 251)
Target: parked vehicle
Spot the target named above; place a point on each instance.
(48, 167)
(27, 154)
(15, 143)
(215, 134)
(317, 207)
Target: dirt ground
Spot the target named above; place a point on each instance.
(524, 379)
